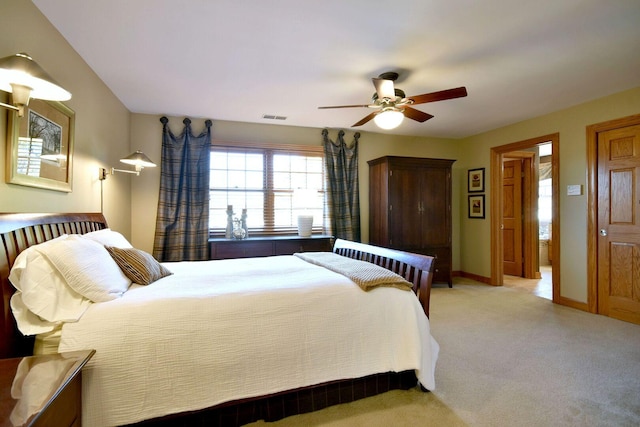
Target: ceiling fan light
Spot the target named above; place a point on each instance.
(389, 119)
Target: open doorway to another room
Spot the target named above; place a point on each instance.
(525, 220)
(539, 283)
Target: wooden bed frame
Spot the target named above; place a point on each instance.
(19, 231)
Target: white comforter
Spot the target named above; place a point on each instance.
(217, 331)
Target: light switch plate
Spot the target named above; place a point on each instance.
(574, 190)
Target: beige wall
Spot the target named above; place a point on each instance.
(101, 130)
(106, 131)
(571, 125)
(471, 237)
(146, 132)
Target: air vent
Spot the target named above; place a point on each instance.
(273, 117)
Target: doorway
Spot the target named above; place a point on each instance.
(530, 215)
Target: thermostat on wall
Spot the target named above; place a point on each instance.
(574, 190)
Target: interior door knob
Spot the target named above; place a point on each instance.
(603, 232)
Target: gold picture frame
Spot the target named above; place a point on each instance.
(40, 146)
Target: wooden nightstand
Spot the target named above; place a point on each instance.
(42, 390)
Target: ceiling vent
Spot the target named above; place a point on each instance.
(273, 117)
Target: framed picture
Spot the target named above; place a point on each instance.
(476, 206)
(40, 146)
(476, 180)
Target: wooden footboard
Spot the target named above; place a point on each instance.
(415, 268)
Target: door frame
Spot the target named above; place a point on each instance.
(592, 202)
(497, 153)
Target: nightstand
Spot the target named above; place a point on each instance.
(42, 390)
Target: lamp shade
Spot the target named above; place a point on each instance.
(138, 159)
(21, 71)
(389, 119)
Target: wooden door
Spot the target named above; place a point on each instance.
(512, 217)
(618, 223)
(404, 209)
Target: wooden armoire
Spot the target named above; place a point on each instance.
(410, 208)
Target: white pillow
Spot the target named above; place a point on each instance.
(27, 322)
(108, 237)
(21, 261)
(43, 299)
(45, 292)
(87, 268)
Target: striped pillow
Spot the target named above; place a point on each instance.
(139, 266)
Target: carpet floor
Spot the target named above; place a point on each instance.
(510, 358)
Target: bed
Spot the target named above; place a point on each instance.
(272, 351)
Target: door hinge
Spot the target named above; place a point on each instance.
(390, 173)
(390, 208)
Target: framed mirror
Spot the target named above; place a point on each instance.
(40, 146)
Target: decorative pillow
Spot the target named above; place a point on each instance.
(108, 237)
(139, 266)
(87, 268)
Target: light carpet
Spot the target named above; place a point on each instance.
(509, 358)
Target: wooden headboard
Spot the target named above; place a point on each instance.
(415, 268)
(18, 231)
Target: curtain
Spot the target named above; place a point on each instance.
(545, 171)
(344, 195)
(182, 223)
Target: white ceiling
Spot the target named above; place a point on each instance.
(240, 59)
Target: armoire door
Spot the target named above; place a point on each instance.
(404, 209)
(619, 223)
(435, 207)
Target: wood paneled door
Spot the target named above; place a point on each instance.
(512, 217)
(619, 223)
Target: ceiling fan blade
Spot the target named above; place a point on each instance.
(442, 95)
(417, 115)
(365, 120)
(342, 106)
(384, 88)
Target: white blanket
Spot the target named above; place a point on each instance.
(217, 331)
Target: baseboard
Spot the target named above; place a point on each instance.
(573, 304)
(562, 300)
(476, 277)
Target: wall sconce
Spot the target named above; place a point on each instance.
(389, 118)
(25, 79)
(138, 159)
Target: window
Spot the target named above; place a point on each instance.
(544, 207)
(545, 191)
(268, 183)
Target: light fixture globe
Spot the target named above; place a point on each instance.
(389, 119)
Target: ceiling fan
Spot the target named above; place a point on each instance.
(393, 105)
